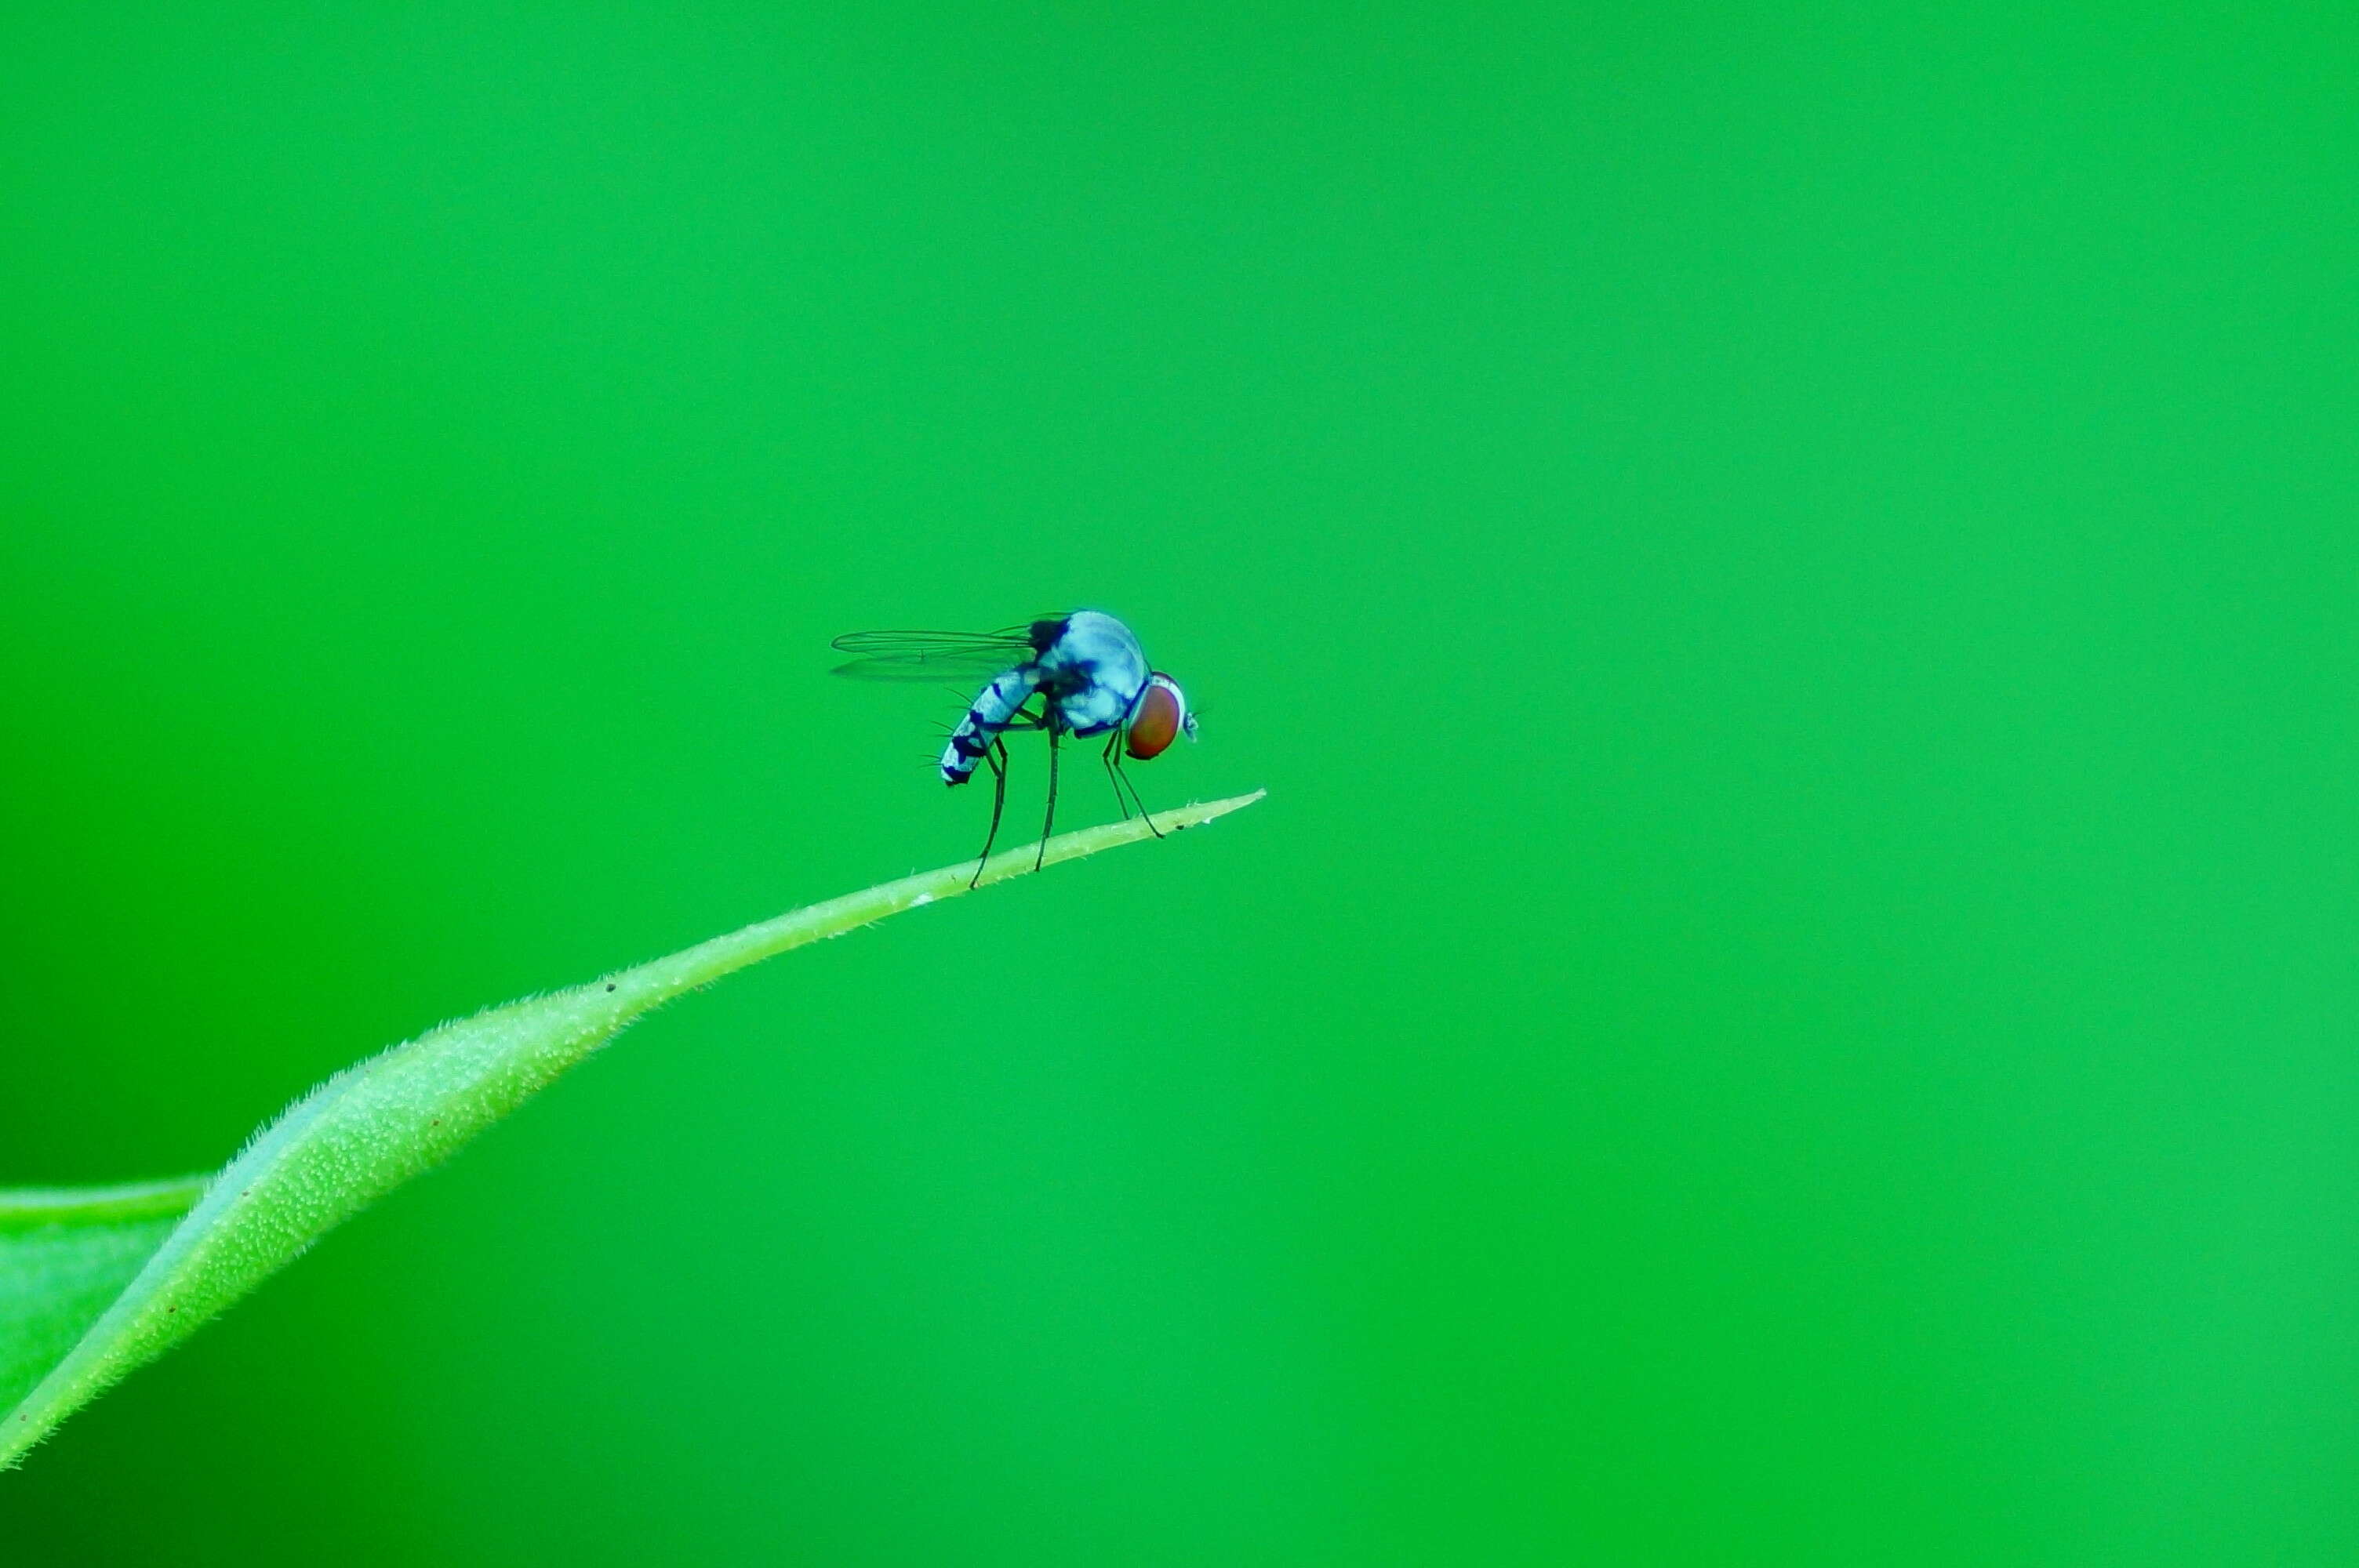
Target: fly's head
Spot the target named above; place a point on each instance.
(1161, 718)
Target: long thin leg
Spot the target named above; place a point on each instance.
(997, 755)
(1054, 733)
(1123, 773)
(1112, 778)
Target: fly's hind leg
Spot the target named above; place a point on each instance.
(997, 755)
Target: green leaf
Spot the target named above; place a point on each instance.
(64, 1254)
(96, 1281)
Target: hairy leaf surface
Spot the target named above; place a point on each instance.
(97, 1280)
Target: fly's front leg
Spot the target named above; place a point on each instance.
(1122, 778)
(1113, 773)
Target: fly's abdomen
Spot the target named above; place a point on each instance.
(989, 713)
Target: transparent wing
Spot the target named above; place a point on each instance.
(931, 656)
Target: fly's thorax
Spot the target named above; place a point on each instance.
(1093, 672)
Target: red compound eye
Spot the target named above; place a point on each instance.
(1156, 722)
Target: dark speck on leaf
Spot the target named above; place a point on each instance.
(610, 986)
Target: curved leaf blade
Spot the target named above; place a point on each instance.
(148, 1279)
(65, 1252)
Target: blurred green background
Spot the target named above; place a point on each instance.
(1790, 573)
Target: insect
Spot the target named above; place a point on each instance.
(1084, 671)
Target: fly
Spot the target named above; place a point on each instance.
(1082, 675)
